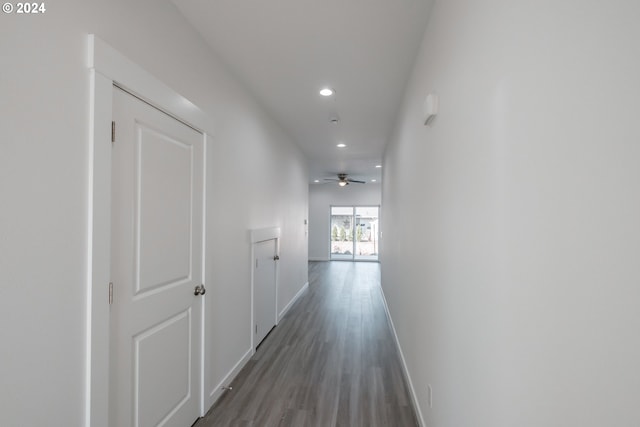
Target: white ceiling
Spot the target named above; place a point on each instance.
(285, 51)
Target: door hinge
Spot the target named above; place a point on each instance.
(256, 329)
(110, 293)
(113, 132)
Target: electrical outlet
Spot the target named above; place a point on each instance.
(430, 395)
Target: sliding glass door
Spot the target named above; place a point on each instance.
(354, 233)
(366, 233)
(342, 232)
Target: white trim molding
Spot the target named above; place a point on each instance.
(405, 369)
(295, 298)
(217, 392)
(131, 77)
(262, 234)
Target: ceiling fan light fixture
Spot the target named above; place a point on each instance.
(342, 183)
(327, 91)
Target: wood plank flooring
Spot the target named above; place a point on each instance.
(331, 361)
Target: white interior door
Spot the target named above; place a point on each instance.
(264, 289)
(156, 252)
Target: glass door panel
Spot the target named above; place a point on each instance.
(342, 232)
(366, 233)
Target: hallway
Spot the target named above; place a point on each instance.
(331, 361)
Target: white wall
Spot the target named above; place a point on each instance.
(512, 276)
(321, 197)
(256, 178)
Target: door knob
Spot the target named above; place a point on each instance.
(276, 257)
(199, 290)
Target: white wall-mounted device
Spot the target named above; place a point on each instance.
(430, 108)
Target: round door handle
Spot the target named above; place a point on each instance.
(199, 290)
(276, 257)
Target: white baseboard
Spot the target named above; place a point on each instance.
(405, 369)
(215, 394)
(293, 300)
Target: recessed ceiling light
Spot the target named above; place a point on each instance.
(341, 145)
(316, 180)
(378, 166)
(373, 180)
(326, 91)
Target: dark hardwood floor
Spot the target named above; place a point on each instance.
(331, 361)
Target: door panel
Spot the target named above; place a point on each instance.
(157, 194)
(264, 289)
(366, 233)
(341, 232)
(164, 211)
(158, 391)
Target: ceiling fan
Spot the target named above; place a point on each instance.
(343, 180)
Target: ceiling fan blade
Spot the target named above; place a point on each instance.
(354, 180)
(332, 179)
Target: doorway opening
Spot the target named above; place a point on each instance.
(354, 233)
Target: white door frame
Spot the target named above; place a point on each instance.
(260, 235)
(107, 67)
